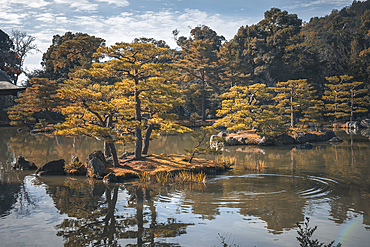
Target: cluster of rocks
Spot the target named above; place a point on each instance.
(282, 139)
(364, 123)
(94, 167)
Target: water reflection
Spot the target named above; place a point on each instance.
(330, 183)
(94, 217)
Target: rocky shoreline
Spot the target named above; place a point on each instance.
(98, 167)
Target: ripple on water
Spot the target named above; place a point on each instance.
(252, 186)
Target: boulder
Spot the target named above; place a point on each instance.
(305, 146)
(305, 137)
(55, 167)
(262, 141)
(75, 167)
(327, 135)
(365, 132)
(75, 159)
(335, 139)
(110, 178)
(353, 125)
(284, 139)
(222, 134)
(95, 167)
(365, 123)
(98, 154)
(231, 141)
(215, 144)
(23, 164)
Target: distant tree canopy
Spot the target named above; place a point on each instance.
(297, 69)
(69, 53)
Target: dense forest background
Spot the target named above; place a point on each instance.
(277, 49)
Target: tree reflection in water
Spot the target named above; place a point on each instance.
(94, 218)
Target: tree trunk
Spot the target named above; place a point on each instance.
(148, 132)
(138, 143)
(114, 153)
(351, 108)
(107, 152)
(138, 136)
(204, 104)
(291, 113)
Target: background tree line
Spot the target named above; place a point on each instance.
(275, 71)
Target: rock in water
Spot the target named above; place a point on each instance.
(98, 154)
(335, 139)
(365, 123)
(110, 178)
(55, 167)
(23, 164)
(95, 167)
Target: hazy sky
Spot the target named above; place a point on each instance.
(124, 20)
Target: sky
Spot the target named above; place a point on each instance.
(124, 20)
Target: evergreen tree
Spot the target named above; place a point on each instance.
(35, 104)
(233, 72)
(347, 97)
(297, 96)
(149, 85)
(197, 65)
(95, 108)
(68, 53)
(245, 107)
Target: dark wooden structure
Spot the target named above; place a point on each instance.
(7, 87)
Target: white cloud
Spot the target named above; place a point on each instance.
(13, 18)
(119, 3)
(317, 3)
(79, 5)
(25, 3)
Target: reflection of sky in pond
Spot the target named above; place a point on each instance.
(327, 184)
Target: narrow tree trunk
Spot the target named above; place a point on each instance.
(351, 108)
(292, 113)
(138, 136)
(148, 132)
(204, 104)
(107, 152)
(114, 153)
(138, 143)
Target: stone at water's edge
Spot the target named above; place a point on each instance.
(282, 139)
(55, 167)
(335, 139)
(353, 125)
(110, 178)
(310, 137)
(365, 123)
(98, 154)
(95, 167)
(23, 164)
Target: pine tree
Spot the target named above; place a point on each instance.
(94, 109)
(197, 66)
(347, 98)
(245, 107)
(142, 97)
(297, 96)
(36, 103)
(233, 72)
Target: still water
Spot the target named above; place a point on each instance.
(330, 184)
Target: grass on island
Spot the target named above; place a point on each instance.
(161, 164)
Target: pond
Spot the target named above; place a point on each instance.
(330, 184)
